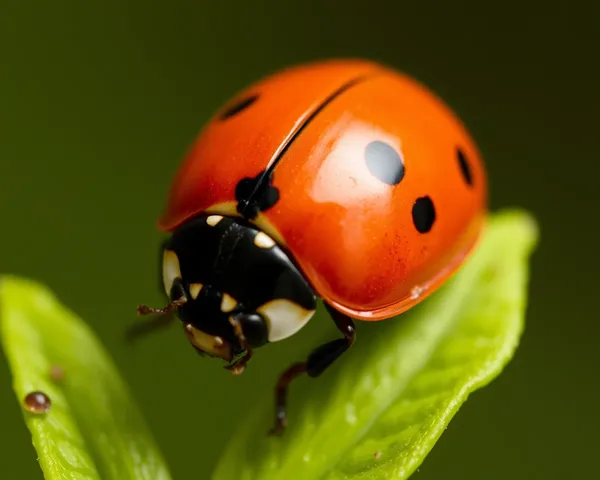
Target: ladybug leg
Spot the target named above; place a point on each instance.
(323, 356)
(285, 379)
(239, 365)
(251, 332)
(316, 363)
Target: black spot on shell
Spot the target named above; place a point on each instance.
(423, 214)
(465, 167)
(238, 107)
(255, 195)
(384, 162)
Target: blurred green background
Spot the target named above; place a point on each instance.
(99, 100)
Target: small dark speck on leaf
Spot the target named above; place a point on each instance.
(489, 275)
(378, 454)
(57, 373)
(37, 402)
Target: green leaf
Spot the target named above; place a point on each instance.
(94, 429)
(380, 409)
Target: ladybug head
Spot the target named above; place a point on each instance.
(232, 286)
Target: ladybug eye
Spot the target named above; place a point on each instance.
(171, 270)
(236, 108)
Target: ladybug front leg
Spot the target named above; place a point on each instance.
(316, 363)
(239, 365)
(251, 332)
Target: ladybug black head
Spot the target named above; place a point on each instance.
(232, 286)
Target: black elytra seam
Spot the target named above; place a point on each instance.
(258, 193)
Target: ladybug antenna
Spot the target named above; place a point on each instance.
(164, 318)
(146, 310)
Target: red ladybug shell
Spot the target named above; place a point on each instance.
(372, 184)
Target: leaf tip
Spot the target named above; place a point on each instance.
(519, 219)
(12, 286)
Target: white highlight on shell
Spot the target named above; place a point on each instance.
(284, 318)
(212, 220)
(262, 240)
(228, 303)
(171, 269)
(416, 292)
(195, 289)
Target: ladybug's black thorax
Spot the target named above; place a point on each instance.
(228, 266)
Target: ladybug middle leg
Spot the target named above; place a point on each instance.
(316, 363)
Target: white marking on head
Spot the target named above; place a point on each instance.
(195, 290)
(284, 318)
(171, 270)
(262, 240)
(214, 219)
(228, 303)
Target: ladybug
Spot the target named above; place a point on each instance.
(343, 181)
